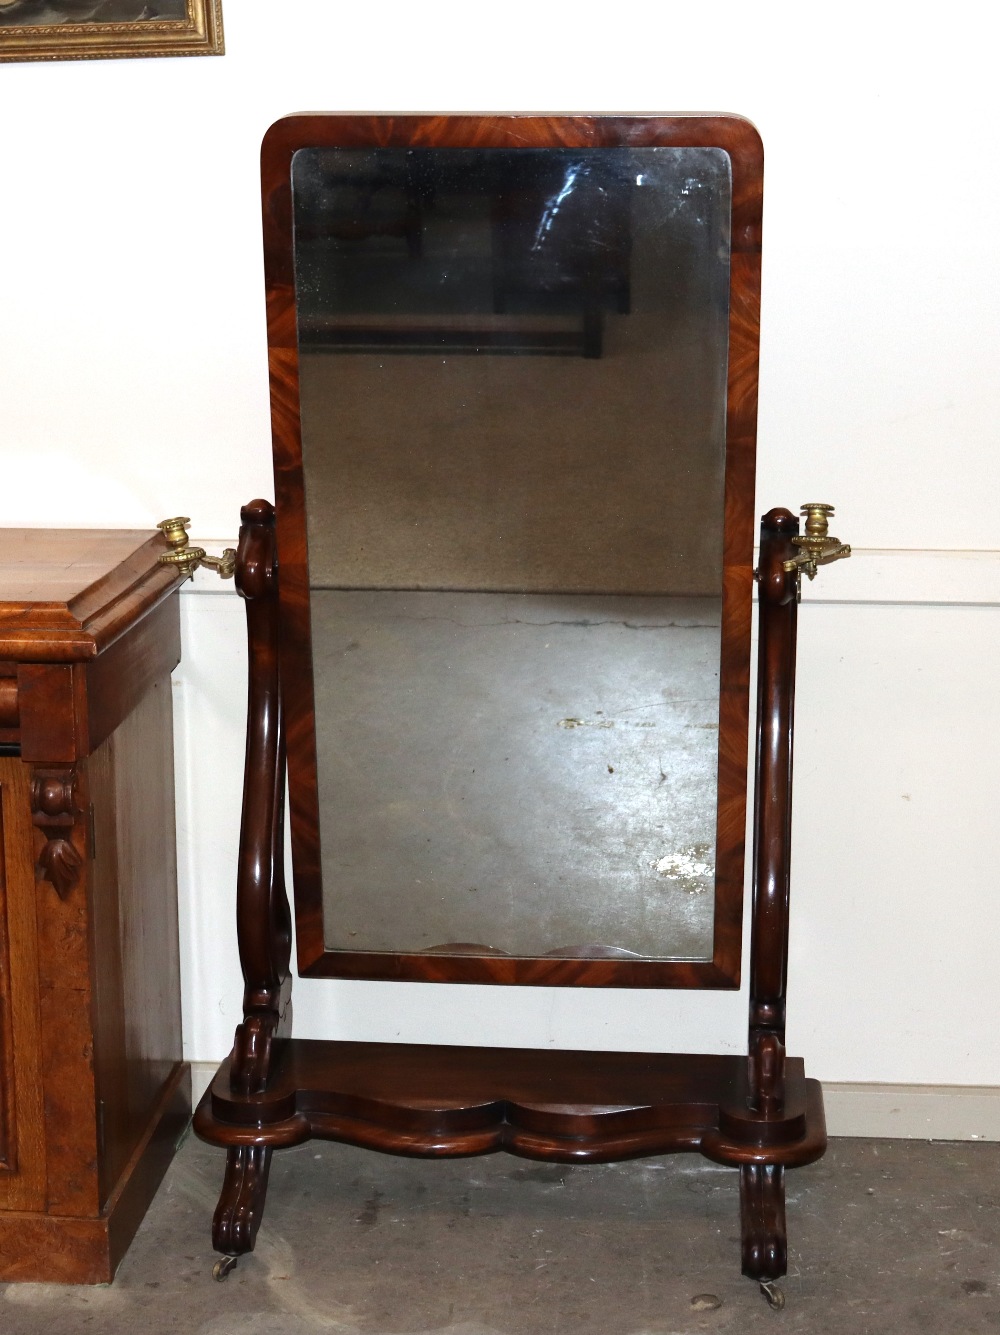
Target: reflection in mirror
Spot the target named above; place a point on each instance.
(513, 392)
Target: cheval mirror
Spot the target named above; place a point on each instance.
(500, 616)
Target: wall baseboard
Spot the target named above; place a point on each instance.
(201, 1078)
(913, 1112)
(881, 1112)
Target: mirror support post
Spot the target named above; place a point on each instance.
(762, 1187)
(778, 604)
(262, 914)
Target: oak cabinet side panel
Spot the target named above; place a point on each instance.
(136, 1010)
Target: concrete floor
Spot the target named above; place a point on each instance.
(885, 1236)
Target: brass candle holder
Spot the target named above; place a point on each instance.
(186, 558)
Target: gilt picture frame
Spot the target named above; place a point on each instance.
(108, 29)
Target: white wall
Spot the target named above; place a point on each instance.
(133, 386)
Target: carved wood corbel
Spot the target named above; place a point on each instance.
(56, 806)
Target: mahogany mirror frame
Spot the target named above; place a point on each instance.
(756, 1111)
(738, 138)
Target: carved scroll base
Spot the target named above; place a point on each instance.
(251, 1060)
(762, 1221)
(241, 1204)
(556, 1107)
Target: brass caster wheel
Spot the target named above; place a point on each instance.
(224, 1264)
(774, 1295)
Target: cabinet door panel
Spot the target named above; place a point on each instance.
(22, 1139)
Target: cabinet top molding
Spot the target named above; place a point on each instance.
(67, 594)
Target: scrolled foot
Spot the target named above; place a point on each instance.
(241, 1203)
(222, 1267)
(762, 1222)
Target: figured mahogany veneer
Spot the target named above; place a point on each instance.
(68, 593)
(742, 143)
(93, 1091)
(567, 1107)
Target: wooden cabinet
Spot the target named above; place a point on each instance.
(93, 1091)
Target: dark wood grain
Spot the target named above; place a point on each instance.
(740, 140)
(757, 1113)
(568, 1107)
(9, 712)
(773, 804)
(762, 1219)
(241, 1205)
(263, 919)
(767, 1111)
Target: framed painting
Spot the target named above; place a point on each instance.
(101, 29)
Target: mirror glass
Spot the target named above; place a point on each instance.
(513, 394)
